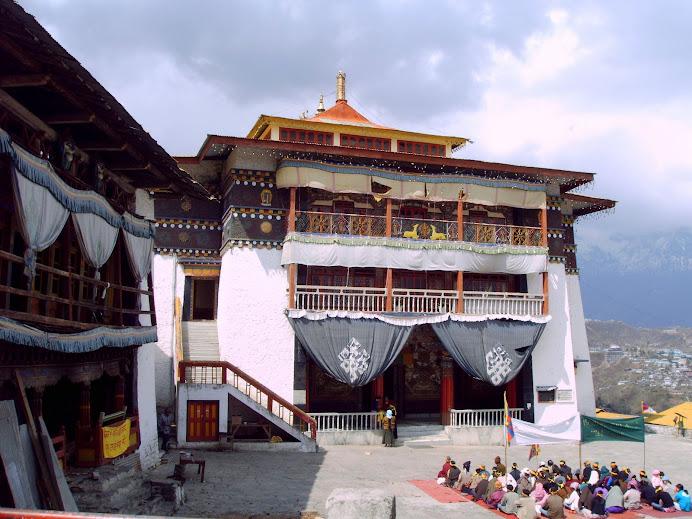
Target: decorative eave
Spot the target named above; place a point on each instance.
(582, 205)
(217, 147)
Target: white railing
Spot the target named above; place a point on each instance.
(311, 297)
(424, 301)
(510, 303)
(345, 421)
(481, 417)
(357, 299)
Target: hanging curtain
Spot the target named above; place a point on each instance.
(493, 350)
(139, 248)
(353, 351)
(41, 218)
(96, 238)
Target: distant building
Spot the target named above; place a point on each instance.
(614, 353)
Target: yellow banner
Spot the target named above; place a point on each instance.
(116, 439)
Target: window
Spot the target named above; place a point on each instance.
(546, 393)
(370, 143)
(306, 136)
(422, 148)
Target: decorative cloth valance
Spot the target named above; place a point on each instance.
(338, 178)
(43, 202)
(355, 347)
(493, 351)
(353, 351)
(402, 253)
(91, 340)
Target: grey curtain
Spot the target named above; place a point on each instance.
(492, 350)
(353, 351)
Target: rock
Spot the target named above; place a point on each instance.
(95, 476)
(360, 503)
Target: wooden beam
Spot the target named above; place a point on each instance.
(70, 118)
(26, 116)
(130, 166)
(102, 146)
(24, 80)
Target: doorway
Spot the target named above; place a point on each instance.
(200, 298)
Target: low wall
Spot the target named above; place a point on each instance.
(476, 435)
(349, 437)
(667, 430)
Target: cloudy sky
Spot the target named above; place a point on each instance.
(594, 86)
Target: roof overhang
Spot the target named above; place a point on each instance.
(217, 147)
(582, 205)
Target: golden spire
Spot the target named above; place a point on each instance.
(320, 107)
(341, 86)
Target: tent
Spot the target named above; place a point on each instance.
(668, 416)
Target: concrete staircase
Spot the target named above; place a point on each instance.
(422, 435)
(200, 340)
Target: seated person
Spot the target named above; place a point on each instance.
(508, 504)
(663, 502)
(452, 474)
(632, 497)
(496, 496)
(615, 503)
(682, 499)
(445, 468)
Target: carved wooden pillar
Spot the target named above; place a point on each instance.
(446, 389)
(119, 397)
(85, 406)
(460, 237)
(544, 242)
(388, 282)
(292, 266)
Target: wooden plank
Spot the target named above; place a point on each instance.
(24, 80)
(48, 482)
(57, 475)
(26, 116)
(12, 459)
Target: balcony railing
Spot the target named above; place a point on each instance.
(355, 299)
(481, 417)
(416, 228)
(365, 421)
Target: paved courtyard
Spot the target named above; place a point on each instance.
(273, 483)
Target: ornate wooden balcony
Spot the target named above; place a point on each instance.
(415, 228)
(354, 299)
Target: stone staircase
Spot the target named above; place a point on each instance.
(200, 340)
(422, 435)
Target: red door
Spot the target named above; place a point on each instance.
(202, 421)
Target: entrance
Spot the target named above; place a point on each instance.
(202, 420)
(200, 298)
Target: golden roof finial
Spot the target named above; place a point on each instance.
(341, 86)
(320, 107)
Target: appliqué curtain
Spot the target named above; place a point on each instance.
(96, 238)
(492, 350)
(41, 218)
(138, 248)
(353, 351)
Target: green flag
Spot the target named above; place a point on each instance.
(619, 430)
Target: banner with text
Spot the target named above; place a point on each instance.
(116, 439)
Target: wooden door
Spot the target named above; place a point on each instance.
(202, 420)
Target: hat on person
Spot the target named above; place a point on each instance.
(665, 478)
(467, 465)
(562, 462)
(485, 475)
(595, 464)
(448, 458)
(541, 464)
(599, 492)
(498, 484)
(525, 491)
(612, 463)
(515, 466)
(659, 489)
(453, 463)
(573, 484)
(481, 466)
(587, 463)
(642, 473)
(657, 472)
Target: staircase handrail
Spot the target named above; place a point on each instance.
(271, 396)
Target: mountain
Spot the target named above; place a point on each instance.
(644, 280)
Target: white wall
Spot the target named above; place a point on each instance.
(553, 360)
(146, 400)
(586, 398)
(208, 392)
(254, 333)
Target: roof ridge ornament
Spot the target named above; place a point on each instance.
(341, 86)
(320, 107)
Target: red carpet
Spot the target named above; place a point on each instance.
(438, 492)
(648, 511)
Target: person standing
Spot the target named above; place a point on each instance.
(388, 424)
(164, 424)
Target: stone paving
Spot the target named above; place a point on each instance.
(273, 483)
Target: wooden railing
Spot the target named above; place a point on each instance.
(357, 299)
(424, 301)
(81, 304)
(354, 299)
(366, 421)
(481, 417)
(221, 372)
(511, 303)
(418, 228)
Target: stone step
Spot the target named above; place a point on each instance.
(200, 340)
(407, 431)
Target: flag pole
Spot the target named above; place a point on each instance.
(505, 430)
(580, 469)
